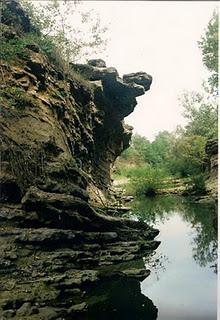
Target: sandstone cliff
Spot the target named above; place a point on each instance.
(60, 134)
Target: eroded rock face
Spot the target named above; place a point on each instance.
(212, 181)
(97, 63)
(120, 93)
(60, 134)
(16, 17)
(140, 78)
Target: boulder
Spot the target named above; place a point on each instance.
(140, 78)
(99, 63)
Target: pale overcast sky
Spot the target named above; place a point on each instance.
(160, 38)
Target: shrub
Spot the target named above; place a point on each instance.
(146, 180)
(196, 184)
(12, 48)
(122, 170)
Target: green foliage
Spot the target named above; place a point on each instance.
(161, 148)
(142, 147)
(16, 97)
(122, 170)
(12, 48)
(53, 32)
(143, 151)
(196, 184)
(200, 109)
(209, 46)
(178, 154)
(145, 180)
(52, 20)
(139, 150)
(17, 47)
(182, 153)
(187, 156)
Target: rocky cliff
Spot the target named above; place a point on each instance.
(60, 134)
(212, 181)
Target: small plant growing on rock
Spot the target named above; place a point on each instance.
(16, 97)
(12, 48)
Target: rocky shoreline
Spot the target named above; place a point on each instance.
(48, 266)
(60, 135)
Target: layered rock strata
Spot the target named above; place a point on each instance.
(60, 134)
(212, 181)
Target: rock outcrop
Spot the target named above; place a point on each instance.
(212, 181)
(60, 134)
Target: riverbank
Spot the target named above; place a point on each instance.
(172, 186)
(186, 258)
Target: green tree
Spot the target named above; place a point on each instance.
(161, 148)
(188, 155)
(209, 47)
(200, 108)
(142, 146)
(139, 151)
(53, 21)
(201, 112)
(182, 153)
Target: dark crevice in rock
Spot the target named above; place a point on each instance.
(55, 149)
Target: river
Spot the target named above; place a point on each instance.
(183, 281)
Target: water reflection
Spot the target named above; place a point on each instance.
(118, 298)
(178, 286)
(187, 288)
(157, 262)
(200, 216)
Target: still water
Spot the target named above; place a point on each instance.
(183, 281)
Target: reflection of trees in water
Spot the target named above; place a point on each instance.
(155, 209)
(118, 298)
(205, 252)
(201, 216)
(156, 262)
